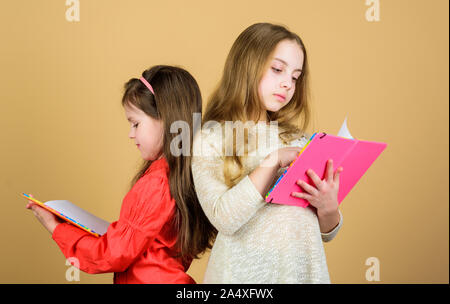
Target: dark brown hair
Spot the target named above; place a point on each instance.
(236, 97)
(177, 96)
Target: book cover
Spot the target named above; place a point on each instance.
(355, 156)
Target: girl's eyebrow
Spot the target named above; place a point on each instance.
(287, 63)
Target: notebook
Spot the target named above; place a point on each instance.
(354, 156)
(74, 215)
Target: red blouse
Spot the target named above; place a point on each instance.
(138, 247)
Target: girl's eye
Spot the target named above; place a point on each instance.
(294, 79)
(135, 125)
(276, 70)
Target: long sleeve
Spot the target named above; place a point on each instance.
(228, 209)
(326, 237)
(145, 210)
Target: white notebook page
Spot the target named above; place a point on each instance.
(79, 215)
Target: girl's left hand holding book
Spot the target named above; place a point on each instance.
(324, 197)
(47, 219)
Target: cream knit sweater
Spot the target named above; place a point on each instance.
(258, 242)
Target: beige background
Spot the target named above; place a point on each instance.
(64, 133)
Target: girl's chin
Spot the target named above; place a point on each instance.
(274, 105)
(147, 157)
(274, 108)
(152, 157)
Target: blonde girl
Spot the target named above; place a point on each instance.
(263, 87)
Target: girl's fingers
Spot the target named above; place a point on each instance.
(306, 197)
(307, 187)
(301, 195)
(337, 175)
(329, 171)
(30, 203)
(315, 178)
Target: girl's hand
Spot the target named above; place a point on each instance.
(324, 196)
(263, 176)
(47, 219)
(282, 157)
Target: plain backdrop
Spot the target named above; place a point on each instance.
(64, 133)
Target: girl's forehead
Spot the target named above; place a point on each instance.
(131, 110)
(289, 53)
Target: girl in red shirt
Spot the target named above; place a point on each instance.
(161, 226)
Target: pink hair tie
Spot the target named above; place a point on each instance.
(144, 81)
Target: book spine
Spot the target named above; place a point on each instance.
(290, 165)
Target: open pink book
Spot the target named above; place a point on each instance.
(354, 156)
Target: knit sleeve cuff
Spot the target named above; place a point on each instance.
(326, 237)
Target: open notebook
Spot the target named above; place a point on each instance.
(74, 215)
(355, 156)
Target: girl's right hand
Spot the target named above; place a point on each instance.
(282, 157)
(263, 176)
(45, 217)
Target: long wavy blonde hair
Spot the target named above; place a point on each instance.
(236, 97)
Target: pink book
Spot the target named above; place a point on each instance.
(354, 156)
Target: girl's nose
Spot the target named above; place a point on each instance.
(286, 84)
(131, 134)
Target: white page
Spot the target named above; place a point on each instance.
(344, 132)
(79, 215)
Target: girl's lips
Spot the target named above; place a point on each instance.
(280, 97)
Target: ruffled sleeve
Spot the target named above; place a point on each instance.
(145, 210)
